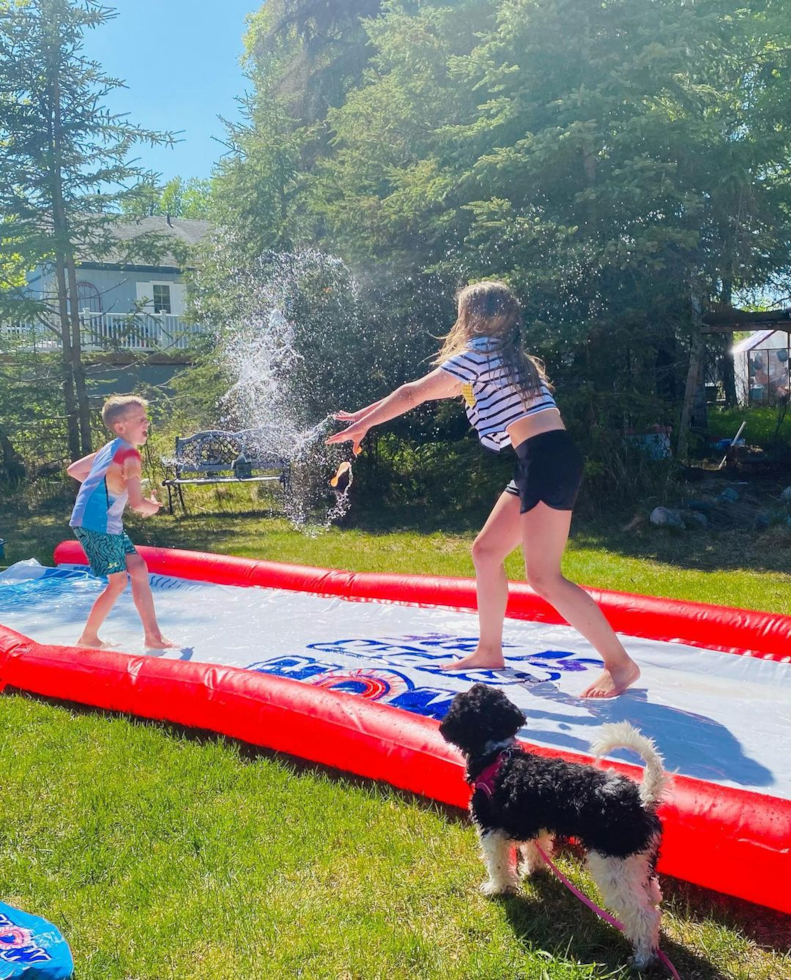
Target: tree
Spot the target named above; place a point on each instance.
(177, 197)
(64, 168)
(615, 161)
(256, 183)
(313, 51)
(303, 57)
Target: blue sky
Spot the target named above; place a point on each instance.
(180, 61)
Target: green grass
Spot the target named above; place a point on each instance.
(738, 567)
(765, 426)
(167, 855)
(164, 854)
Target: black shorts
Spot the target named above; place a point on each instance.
(549, 470)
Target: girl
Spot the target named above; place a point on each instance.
(509, 401)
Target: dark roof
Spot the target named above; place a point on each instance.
(738, 318)
(189, 231)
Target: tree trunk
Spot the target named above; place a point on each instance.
(78, 369)
(12, 467)
(728, 373)
(690, 391)
(67, 384)
(74, 395)
(665, 361)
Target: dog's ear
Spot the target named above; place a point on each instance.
(506, 718)
(500, 716)
(478, 716)
(461, 724)
(452, 726)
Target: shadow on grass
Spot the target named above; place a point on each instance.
(549, 918)
(734, 549)
(767, 928)
(420, 520)
(546, 915)
(249, 753)
(740, 548)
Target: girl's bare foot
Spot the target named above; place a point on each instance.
(611, 683)
(160, 643)
(93, 642)
(477, 660)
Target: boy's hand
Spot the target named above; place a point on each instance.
(155, 504)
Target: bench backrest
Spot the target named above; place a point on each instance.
(215, 452)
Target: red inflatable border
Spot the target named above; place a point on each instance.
(729, 840)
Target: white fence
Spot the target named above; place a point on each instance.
(143, 332)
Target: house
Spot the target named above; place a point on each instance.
(126, 304)
(761, 366)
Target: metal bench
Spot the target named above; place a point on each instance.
(224, 457)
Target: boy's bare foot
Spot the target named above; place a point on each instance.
(611, 683)
(160, 643)
(477, 660)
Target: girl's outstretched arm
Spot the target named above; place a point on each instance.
(439, 384)
(356, 416)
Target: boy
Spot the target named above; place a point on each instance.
(109, 478)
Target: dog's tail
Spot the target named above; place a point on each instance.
(622, 735)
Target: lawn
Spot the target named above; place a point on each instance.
(173, 855)
(169, 854)
(737, 567)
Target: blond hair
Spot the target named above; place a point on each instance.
(117, 406)
(490, 309)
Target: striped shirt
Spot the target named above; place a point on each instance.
(96, 508)
(491, 401)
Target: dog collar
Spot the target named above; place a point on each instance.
(484, 781)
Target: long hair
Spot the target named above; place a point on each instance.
(490, 309)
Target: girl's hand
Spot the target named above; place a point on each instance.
(354, 434)
(351, 416)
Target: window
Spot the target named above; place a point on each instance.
(769, 375)
(161, 298)
(88, 297)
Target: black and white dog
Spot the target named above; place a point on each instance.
(520, 800)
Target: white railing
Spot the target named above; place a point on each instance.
(143, 332)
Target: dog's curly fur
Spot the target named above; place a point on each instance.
(532, 799)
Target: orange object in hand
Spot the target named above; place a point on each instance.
(345, 467)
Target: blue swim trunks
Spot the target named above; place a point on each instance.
(106, 552)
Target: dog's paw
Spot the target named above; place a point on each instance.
(642, 961)
(492, 888)
(531, 861)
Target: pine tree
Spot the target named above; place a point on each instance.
(64, 168)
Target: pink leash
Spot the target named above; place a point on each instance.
(595, 908)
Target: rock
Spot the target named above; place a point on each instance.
(785, 496)
(729, 494)
(696, 517)
(761, 522)
(665, 517)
